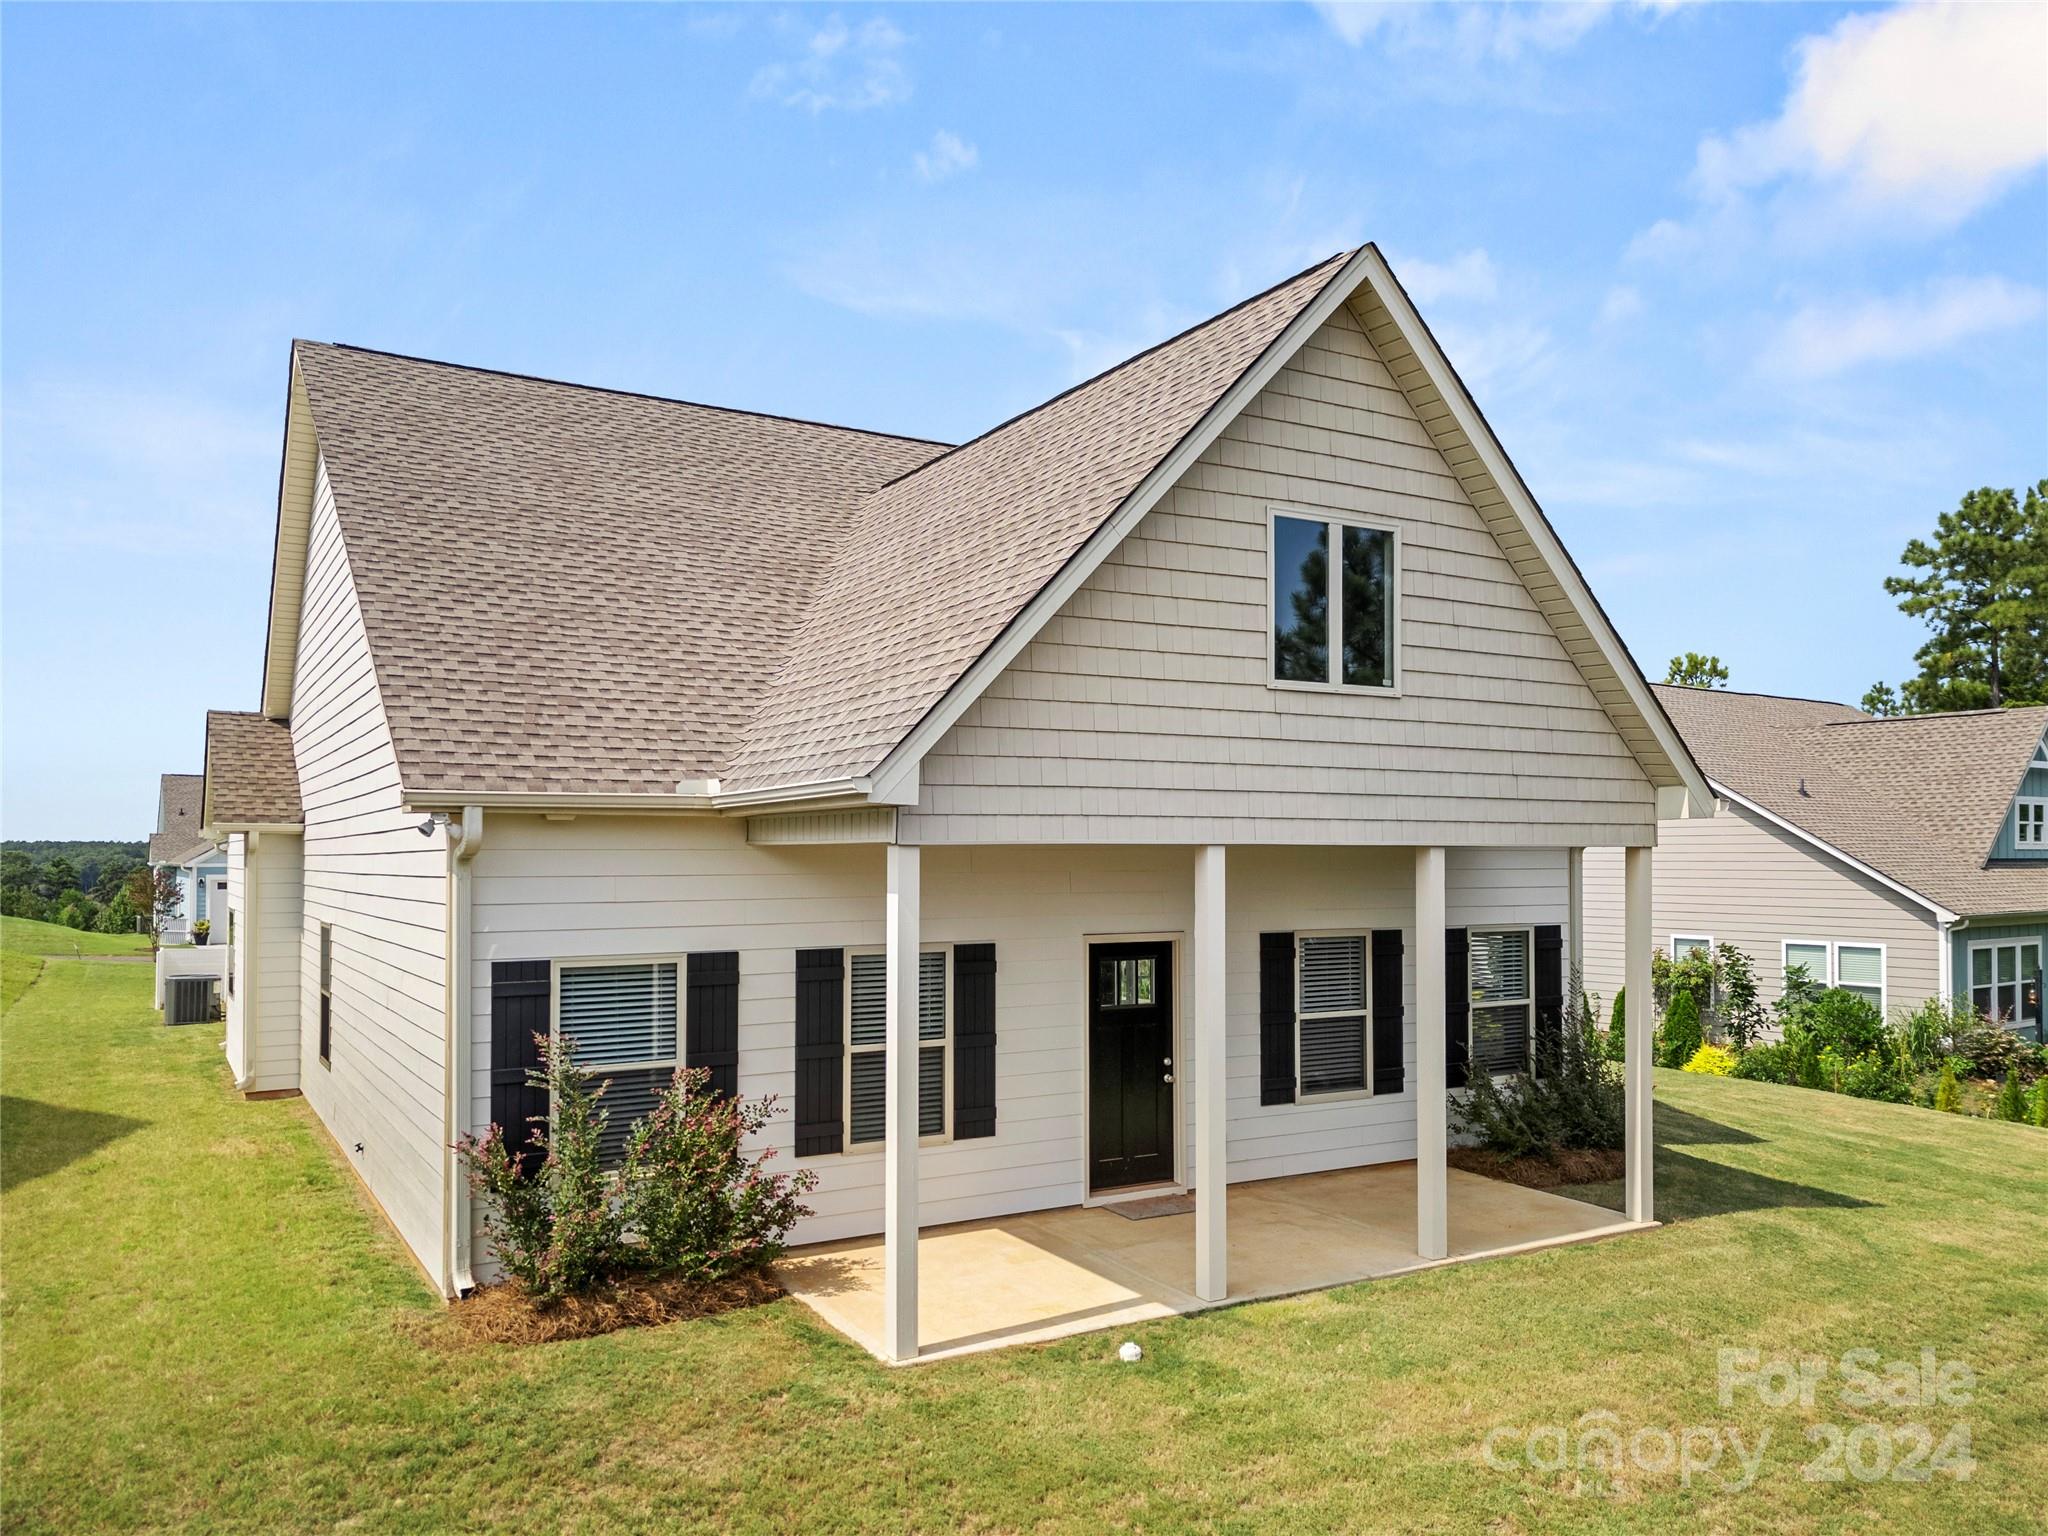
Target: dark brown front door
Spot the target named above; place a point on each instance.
(1130, 1064)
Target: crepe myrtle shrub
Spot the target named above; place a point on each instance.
(1993, 1051)
(1741, 1016)
(1576, 1102)
(696, 1204)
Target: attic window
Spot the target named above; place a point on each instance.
(1331, 634)
(2030, 822)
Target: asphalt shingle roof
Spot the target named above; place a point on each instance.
(252, 775)
(574, 589)
(1920, 798)
(177, 818)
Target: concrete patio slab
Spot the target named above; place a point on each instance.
(1048, 1274)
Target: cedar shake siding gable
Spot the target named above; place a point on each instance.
(1142, 711)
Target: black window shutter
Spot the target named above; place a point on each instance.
(1387, 1073)
(711, 1030)
(974, 1040)
(820, 1051)
(1457, 1008)
(519, 1021)
(1548, 1046)
(1276, 1018)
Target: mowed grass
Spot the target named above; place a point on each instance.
(26, 936)
(207, 1328)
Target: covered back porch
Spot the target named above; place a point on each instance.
(1013, 1278)
(1045, 1275)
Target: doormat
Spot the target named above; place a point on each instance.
(1158, 1205)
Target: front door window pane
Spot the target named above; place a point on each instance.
(1301, 600)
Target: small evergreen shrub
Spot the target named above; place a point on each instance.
(1682, 1036)
(2037, 1103)
(1948, 1093)
(1713, 1061)
(2012, 1101)
(1768, 1064)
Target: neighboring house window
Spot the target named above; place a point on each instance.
(232, 966)
(1332, 634)
(326, 994)
(618, 1022)
(866, 1039)
(2005, 983)
(1503, 1000)
(1686, 944)
(1331, 1042)
(2030, 822)
(1857, 968)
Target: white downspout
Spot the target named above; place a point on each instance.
(465, 838)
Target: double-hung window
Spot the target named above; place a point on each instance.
(1683, 944)
(2005, 983)
(2030, 822)
(618, 1020)
(1498, 964)
(866, 1041)
(1857, 968)
(1332, 1046)
(1334, 586)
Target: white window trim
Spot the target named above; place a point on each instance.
(1969, 987)
(1471, 1055)
(1335, 609)
(1334, 1095)
(1684, 938)
(1834, 948)
(2021, 804)
(850, 1147)
(590, 962)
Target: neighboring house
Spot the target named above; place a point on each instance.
(1902, 858)
(199, 864)
(666, 729)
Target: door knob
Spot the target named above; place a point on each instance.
(1167, 1078)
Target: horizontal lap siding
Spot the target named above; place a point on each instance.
(275, 937)
(1739, 880)
(614, 886)
(382, 887)
(1141, 711)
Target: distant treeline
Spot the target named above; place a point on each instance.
(81, 884)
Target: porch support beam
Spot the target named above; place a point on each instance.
(899, 1202)
(1432, 1115)
(1212, 1163)
(1637, 1199)
(1575, 916)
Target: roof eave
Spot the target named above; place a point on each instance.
(1941, 913)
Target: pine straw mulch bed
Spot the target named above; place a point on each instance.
(506, 1314)
(1566, 1166)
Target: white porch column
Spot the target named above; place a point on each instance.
(1212, 1166)
(1432, 1115)
(1639, 1158)
(1575, 916)
(899, 1204)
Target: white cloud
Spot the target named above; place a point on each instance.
(1470, 276)
(1501, 31)
(1621, 304)
(948, 156)
(1829, 338)
(840, 67)
(1502, 357)
(1925, 112)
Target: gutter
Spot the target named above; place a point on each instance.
(465, 839)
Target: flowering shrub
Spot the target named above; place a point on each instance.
(686, 1200)
(699, 1206)
(1713, 1060)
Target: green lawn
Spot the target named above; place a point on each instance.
(207, 1328)
(26, 936)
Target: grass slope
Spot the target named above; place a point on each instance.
(206, 1327)
(26, 936)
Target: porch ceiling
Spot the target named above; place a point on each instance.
(1032, 1278)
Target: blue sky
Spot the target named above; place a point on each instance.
(1750, 292)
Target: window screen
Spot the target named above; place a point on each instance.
(1502, 1000)
(867, 1026)
(1330, 1014)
